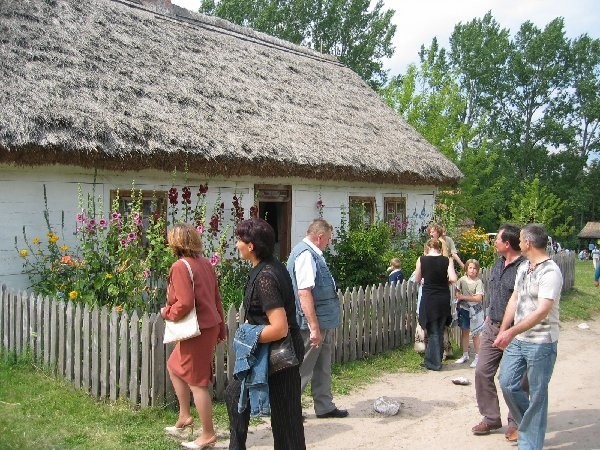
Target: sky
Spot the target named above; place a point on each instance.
(419, 21)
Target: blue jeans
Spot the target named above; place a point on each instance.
(530, 412)
(434, 352)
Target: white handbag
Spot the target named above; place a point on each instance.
(185, 328)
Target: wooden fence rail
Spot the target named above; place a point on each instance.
(116, 355)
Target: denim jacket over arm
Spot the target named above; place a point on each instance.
(252, 368)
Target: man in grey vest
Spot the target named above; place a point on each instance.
(318, 314)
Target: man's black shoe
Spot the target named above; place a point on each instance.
(336, 413)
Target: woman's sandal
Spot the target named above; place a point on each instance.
(210, 443)
(176, 430)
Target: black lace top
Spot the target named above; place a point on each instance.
(269, 286)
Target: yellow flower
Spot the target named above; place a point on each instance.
(64, 248)
(118, 308)
(53, 238)
(23, 253)
(36, 240)
(108, 276)
(73, 295)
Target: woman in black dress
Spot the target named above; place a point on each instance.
(269, 300)
(437, 271)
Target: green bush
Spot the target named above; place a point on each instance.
(359, 254)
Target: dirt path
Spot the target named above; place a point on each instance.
(438, 414)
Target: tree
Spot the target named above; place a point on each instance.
(359, 36)
(479, 53)
(428, 97)
(533, 203)
(509, 111)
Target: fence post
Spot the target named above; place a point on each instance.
(113, 363)
(69, 350)
(134, 348)
(145, 362)
(124, 357)
(158, 369)
(77, 354)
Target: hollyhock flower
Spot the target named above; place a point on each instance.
(73, 295)
(215, 259)
(200, 229)
(186, 195)
(23, 253)
(173, 195)
(102, 224)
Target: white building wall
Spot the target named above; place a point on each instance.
(22, 203)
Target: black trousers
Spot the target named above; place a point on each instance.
(286, 408)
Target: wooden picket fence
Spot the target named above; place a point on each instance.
(115, 355)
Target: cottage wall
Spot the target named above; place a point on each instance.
(22, 202)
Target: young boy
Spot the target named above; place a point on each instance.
(396, 274)
(469, 294)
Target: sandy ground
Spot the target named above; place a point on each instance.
(436, 414)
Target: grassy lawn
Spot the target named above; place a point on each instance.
(583, 301)
(38, 411)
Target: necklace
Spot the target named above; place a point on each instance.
(534, 266)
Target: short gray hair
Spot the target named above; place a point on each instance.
(319, 226)
(536, 234)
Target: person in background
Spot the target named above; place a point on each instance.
(596, 257)
(437, 231)
(437, 271)
(190, 363)
(270, 302)
(500, 287)
(529, 337)
(469, 293)
(597, 276)
(395, 269)
(318, 314)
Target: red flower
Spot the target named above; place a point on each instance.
(186, 195)
(173, 195)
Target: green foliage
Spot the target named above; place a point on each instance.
(508, 110)
(232, 274)
(120, 262)
(473, 244)
(359, 33)
(359, 253)
(408, 250)
(535, 204)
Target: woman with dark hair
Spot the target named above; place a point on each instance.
(434, 310)
(192, 283)
(269, 302)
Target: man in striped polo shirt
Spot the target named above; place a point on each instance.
(530, 344)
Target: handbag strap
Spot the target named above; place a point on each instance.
(189, 268)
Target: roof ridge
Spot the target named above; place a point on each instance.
(219, 25)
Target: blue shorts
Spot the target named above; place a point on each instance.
(464, 320)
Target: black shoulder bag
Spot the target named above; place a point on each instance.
(282, 354)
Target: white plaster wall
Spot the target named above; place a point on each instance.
(21, 202)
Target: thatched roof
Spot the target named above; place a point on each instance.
(590, 231)
(122, 85)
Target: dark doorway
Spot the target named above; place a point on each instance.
(275, 206)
